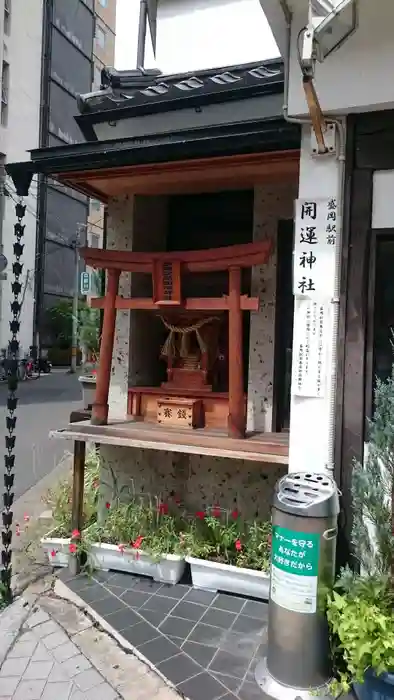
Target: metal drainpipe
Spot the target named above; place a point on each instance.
(142, 26)
(338, 247)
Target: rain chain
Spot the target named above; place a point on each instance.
(12, 402)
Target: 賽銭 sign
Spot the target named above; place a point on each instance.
(315, 248)
(294, 569)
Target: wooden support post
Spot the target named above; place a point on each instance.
(236, 418)
(100, 406)
(77, 500)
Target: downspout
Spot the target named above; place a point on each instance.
(142, 26)
(338, 246)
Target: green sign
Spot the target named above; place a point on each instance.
(295, 552)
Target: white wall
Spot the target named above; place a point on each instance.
(23, 52)
(309, 418)
(356, 77)
(197, 34)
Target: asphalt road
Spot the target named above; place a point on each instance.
(44, 404)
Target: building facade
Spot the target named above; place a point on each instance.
(79, 38)
(20, 61)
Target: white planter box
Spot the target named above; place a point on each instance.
(213, 576)
(50, 544)
(169, 569)
(88, 384)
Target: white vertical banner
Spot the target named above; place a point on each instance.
(316, 223)
(310, 348)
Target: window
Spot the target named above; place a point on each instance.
(97, 78)
(100, 37)
(5, 82)
(103, 3)
(7, 17)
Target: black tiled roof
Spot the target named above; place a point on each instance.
(141, 92)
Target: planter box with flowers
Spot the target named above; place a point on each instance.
(227, 554)
(57, 544)
(151, 533)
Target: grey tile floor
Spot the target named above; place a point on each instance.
(206, 644)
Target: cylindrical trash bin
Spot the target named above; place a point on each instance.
(304, 534)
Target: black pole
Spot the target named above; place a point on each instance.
(142, 33)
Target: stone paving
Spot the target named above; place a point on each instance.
(44, 664)
(61, 654)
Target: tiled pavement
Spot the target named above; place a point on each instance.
(206, 644)
(44, 664)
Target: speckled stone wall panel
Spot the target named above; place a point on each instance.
(120, 237)
(198, 480)
(271, 204)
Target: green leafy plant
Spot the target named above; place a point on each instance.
(360, 609)
(141, 525)
(59, 499)
(360, 615)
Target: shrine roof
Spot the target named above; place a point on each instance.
(139, 92)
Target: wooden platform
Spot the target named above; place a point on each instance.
(257, 447)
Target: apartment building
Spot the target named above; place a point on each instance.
(103, 55)
(20, 63)
(79, 37)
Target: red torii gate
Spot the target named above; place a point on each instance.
(166, 270)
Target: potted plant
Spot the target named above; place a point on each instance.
(57, 543)
(361, 607)
(139, 538)
(228, 554)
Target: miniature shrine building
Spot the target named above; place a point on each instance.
(199, 173)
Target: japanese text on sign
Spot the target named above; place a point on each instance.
(314, 252)
(294, 569)
(310, 348)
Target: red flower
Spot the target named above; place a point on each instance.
(162, 509)
(200, 515)
(17, 531)
(121, 548)
(75, 534)
(72, 547)
(137, 543)
(53, 553)
(216, 512)
(108, 505)
(235, 514)
(238, 545)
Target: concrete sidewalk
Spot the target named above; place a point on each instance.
(51, 650)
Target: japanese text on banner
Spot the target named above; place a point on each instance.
(311, 331)
(314, 248)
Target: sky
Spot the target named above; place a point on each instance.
(226, 33)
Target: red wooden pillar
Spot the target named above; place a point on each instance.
(236, 418)
(100, 406)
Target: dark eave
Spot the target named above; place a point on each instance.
(246, 137)
(135, 93)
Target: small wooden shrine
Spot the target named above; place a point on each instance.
(203, 341)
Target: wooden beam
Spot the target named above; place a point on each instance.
(208, 260)
(100, 406)
(192, 304)
(236, 418)
(77, 501)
